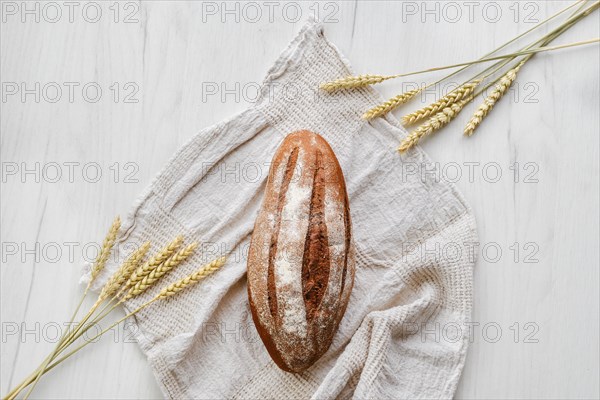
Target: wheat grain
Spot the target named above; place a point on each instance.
(192, 279)
(107, 245)
(490, 101)
(456, 95)
(434, 123)
(157, 273)
(174, 260)
(124, 272)
(389, 105)
(154, 262)
(351, 82)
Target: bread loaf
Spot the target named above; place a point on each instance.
(301, 259)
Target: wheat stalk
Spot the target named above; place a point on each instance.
(158, 272)
(192, 279)
(389, 105)
(97, 267)
(168, 291)
(456, 95)
(109, 290)
(434, 123)
(490, 101)
(142, 284)
(107, 246)
(351, 82)
(130, 275)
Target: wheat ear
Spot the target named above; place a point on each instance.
(490, 101)
(434, 123)
(389, 105)
(351, 82)
(124, 272)
(161, 270)
(144, 269)
(457, 94)
(192, 279)
(107, 245)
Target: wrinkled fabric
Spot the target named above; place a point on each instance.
(404, 332)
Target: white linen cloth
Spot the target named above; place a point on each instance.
(404, 334)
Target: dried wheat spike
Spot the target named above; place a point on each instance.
(161, 270)
(490, 101)
(351, 82)
(389, 105)
(107, 245)
(192, 279)
(124, 272)
(456, 95)
(434, 123)
(154, 262)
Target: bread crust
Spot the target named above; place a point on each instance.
(301, 261)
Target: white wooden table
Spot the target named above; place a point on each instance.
(93, 105)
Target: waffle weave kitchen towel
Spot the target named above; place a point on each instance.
(404, 334)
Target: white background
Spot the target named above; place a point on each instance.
(541, 293)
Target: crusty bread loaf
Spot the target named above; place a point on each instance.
(301, 259)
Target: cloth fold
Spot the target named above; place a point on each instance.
(404, 333)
